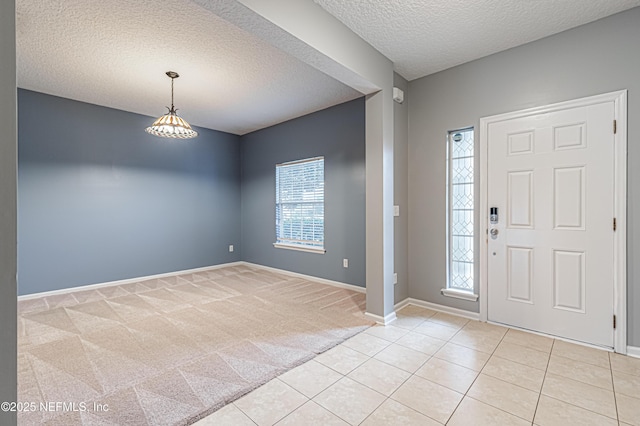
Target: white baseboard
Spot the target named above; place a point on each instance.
(386, 320)
(437, 307)
(191, 271)
(633, 351)
(402, 304)
(126, 281)
(351, 287)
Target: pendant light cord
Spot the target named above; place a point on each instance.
(172, 78)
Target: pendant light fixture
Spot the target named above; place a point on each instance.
(170, 125)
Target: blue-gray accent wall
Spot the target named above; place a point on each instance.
(338, 134)
(101, 200)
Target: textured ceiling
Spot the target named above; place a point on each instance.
(115, 53)
(422, 37)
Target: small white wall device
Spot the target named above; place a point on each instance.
(398, 95)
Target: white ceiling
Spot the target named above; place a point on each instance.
(422, 37)
(115, 52)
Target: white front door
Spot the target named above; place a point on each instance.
(550, 260)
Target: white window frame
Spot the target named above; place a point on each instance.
(449, 291)
(312, 246)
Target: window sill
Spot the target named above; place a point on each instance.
(459, 294)
(308, 249)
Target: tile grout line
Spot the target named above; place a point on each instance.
(343, 376)
(575, 379)
(613, 386)
(406, 380)
(375, 409)
(295, 390)
(543, 380)
(410, 374)
(549, 354)
(465, 395)
(346, 376)
(242, 411)
(431, 356)
(584, 383)
(581, 408)
(563, 377)
(385, 396)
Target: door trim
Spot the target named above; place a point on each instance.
(619, 98)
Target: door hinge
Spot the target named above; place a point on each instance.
(614, 321)
(615, 224)
(615, 126)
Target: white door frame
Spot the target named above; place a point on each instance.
(619, 99)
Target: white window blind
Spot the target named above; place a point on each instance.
(461, 210)
(300, 204)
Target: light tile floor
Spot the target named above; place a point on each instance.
(431, 368)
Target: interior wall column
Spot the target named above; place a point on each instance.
(379, 204)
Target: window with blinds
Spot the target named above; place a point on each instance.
(300, 205)
(461, 210)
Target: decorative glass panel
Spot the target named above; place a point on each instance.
(461, 210)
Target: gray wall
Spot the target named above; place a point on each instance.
(338, 134)
(101, 200)
(400, 190)
(8, 216)
(595, 58)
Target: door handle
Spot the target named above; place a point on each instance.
(494, 232)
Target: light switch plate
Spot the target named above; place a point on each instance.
(345, 263)
(396, 211)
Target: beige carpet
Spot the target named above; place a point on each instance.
(170, 351)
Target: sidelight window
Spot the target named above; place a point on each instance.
(460, 210)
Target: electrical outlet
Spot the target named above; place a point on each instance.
(345, 263)
(396, 211)
(395, 278)
(231, 248)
